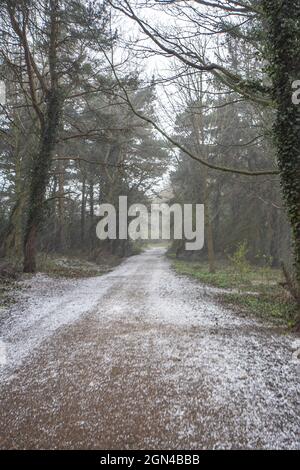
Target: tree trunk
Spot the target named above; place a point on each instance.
(12, 242)
(284, 37)
(61, 207)
(83, 205)
(39, 180)
(12, 245)
(39, 177)
(91, 230)
(208, 226)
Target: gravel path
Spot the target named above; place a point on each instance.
(142, 358)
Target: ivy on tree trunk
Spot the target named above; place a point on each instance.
(40, 178)
(284, 54)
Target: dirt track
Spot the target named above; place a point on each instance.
(143, 358)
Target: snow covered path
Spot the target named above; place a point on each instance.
(142, 358)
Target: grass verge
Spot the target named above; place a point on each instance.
(75, 267)
(8, 288)
(255, 291)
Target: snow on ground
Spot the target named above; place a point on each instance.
(44, 305)
(144, 358)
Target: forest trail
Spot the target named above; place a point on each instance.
(142, 358)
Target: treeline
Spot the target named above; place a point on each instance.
(68, 140)
(231, 132)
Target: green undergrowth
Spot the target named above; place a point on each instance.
(75, 267)
(252, 290)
